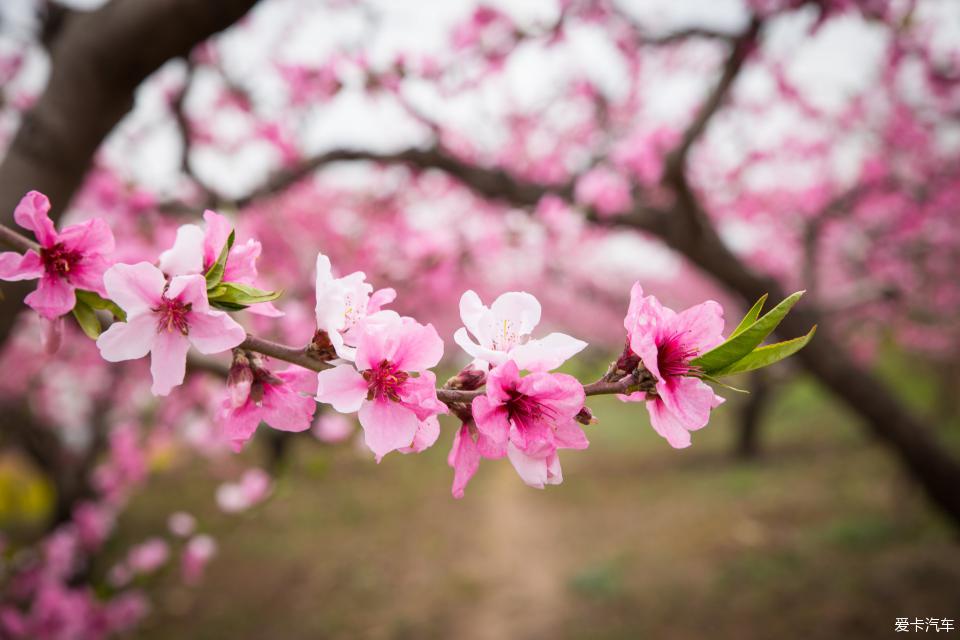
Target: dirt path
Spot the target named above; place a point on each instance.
(521, 589)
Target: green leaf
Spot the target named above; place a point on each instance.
(767, 355)
(95, 301)
(723, 384)
(234, 295)
(215, 273)
(751, 316)
(739, 345)
(87, 319)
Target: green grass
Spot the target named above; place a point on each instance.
(821, 537)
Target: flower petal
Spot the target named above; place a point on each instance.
(33, 213)
(471, 312)
(14, 266)
(168, 361)
(387, 426)
(492, 419)
(128, 340)
(700, 326)
(214, 331)
(90, 237)
(190, 290)
(427, 434)
(689, 400)
(343, 387)
(242, 262)
(667, 425)
(135, 287)
(239, 424)
(88, 273)
(214, 237)
(464, 458)
(53, 297)
(535, 472)
(287, 410)
(185, 257)
(519, 308)
(546, 353)
(380, 298)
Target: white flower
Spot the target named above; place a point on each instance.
(503, 330)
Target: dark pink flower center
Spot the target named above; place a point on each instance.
(673, 357)
(525, 410)
(58, 260)
(385, 381)
(172, 315)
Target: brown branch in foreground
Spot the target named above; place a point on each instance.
(13, 240)
(639, 380)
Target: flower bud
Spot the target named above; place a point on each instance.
(585, 416)
(469, 379)
(321, 347)
(239, 379)
(628, 360)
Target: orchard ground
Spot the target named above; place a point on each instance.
(820, 538)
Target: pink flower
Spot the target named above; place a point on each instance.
(503, 333)
(528, 419)
(282, 400)
(195, 250)
(253, 487)
(343, 302)
(74, 258)
(163, 319)
(181, 523)
(606, 191)
(94, 523)
(396, 409)
(666, 341)
(198, 551)
(332, 428)
(148, 556)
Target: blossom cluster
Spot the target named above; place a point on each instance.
(510, 399)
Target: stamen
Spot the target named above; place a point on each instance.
(172, 316)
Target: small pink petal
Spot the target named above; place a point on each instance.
(190, 289)
(53, 297)
(464, 458)
(667, 425)
(33, 213)
(387, 426)
(342, 387)
(185, 257)
(128, 340)
(137, 288)
(90, 237)
(14, 266)
(214, 331)
(168, 361)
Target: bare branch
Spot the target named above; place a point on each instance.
(742, 46)
(492, 183)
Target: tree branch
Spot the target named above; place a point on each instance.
(492, 183)
(742, 46)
